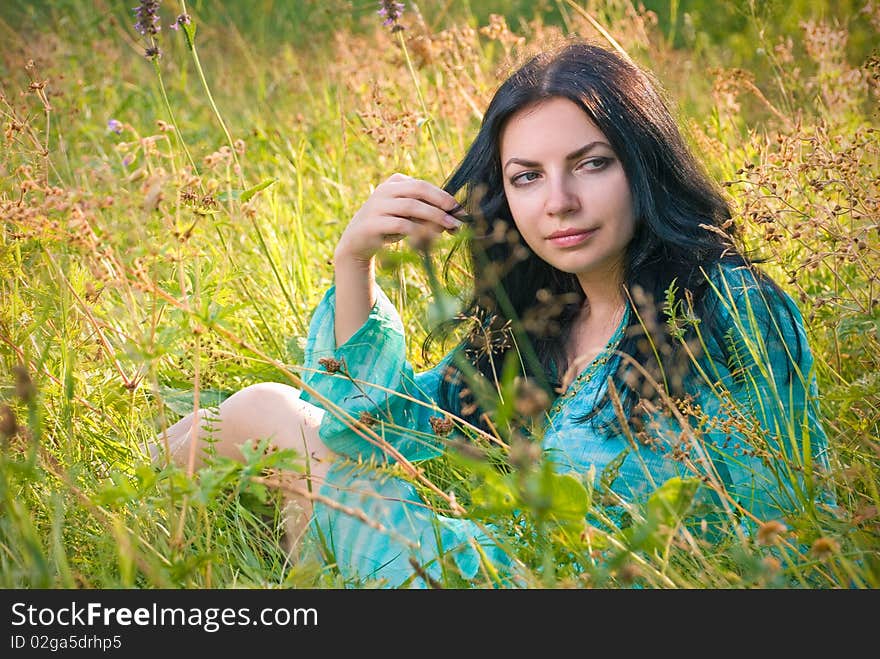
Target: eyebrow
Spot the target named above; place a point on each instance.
(574, 155)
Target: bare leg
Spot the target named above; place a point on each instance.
(266, 410)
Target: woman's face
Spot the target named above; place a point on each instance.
(566, 188)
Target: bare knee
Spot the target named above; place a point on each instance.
(252, 411)
(263, 394)
(267, 410)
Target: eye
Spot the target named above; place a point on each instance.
(594, 163)
(524, 178)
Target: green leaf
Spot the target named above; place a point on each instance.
(116, 493)
(296, 354)
(146, 478)
(570, 499)
(496, 495)
(244, 195)
(222, 473)
(663, 511)
(670, 501)
(189, 30)
(250, 192)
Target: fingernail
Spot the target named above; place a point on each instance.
(452, 222)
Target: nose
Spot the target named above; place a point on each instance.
(562, 197)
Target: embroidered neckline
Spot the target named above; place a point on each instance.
(590, 370)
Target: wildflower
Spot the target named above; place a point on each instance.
(8, 425)
(391, 12)
(628, 573)
(441, 425)
(148, 17)
(823, 548)
(152, 52)
(330, 365)
(864, 513)
(524, 454)
(770, 531)
(115, 126)
(531, 399)
(24, 386)
(188, 197)
(183, 19)
(771, 564)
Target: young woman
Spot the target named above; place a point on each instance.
(605, 264)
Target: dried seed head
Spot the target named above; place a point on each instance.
(330, 365)
(531, 400)
(524, 454)
(441, 425)
(824, 548)
(367, 419)
(24, 386)
(769, 532)
(8, 425)
(628, 573)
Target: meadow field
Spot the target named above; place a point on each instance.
(170, 200)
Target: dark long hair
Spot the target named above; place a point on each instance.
(521, 303)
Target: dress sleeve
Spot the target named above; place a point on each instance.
(369, 379)
(764, 387)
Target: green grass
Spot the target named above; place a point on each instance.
(133, 270)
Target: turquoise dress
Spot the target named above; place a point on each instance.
(375, 525)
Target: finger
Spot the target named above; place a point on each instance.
(421, 233)
(417, 210)
(460, 213)
(427, 192)
(397, 176)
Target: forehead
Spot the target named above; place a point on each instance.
(548, 125)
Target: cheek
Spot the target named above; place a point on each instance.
(623, 208)
(521, 214)
(524, 208)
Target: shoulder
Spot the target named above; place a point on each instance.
(741, 289)
(739, 277)
(747, 304)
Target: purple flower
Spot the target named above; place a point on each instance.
(391, 12)
(148, 17)
(183, 19)
(115, 126)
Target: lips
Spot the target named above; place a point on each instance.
(570, 237)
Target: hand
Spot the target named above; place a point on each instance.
(400, 206)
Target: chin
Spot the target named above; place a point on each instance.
(573, 267)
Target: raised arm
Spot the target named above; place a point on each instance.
(358, 329)
(400, 206)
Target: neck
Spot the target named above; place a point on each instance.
(604, 292)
